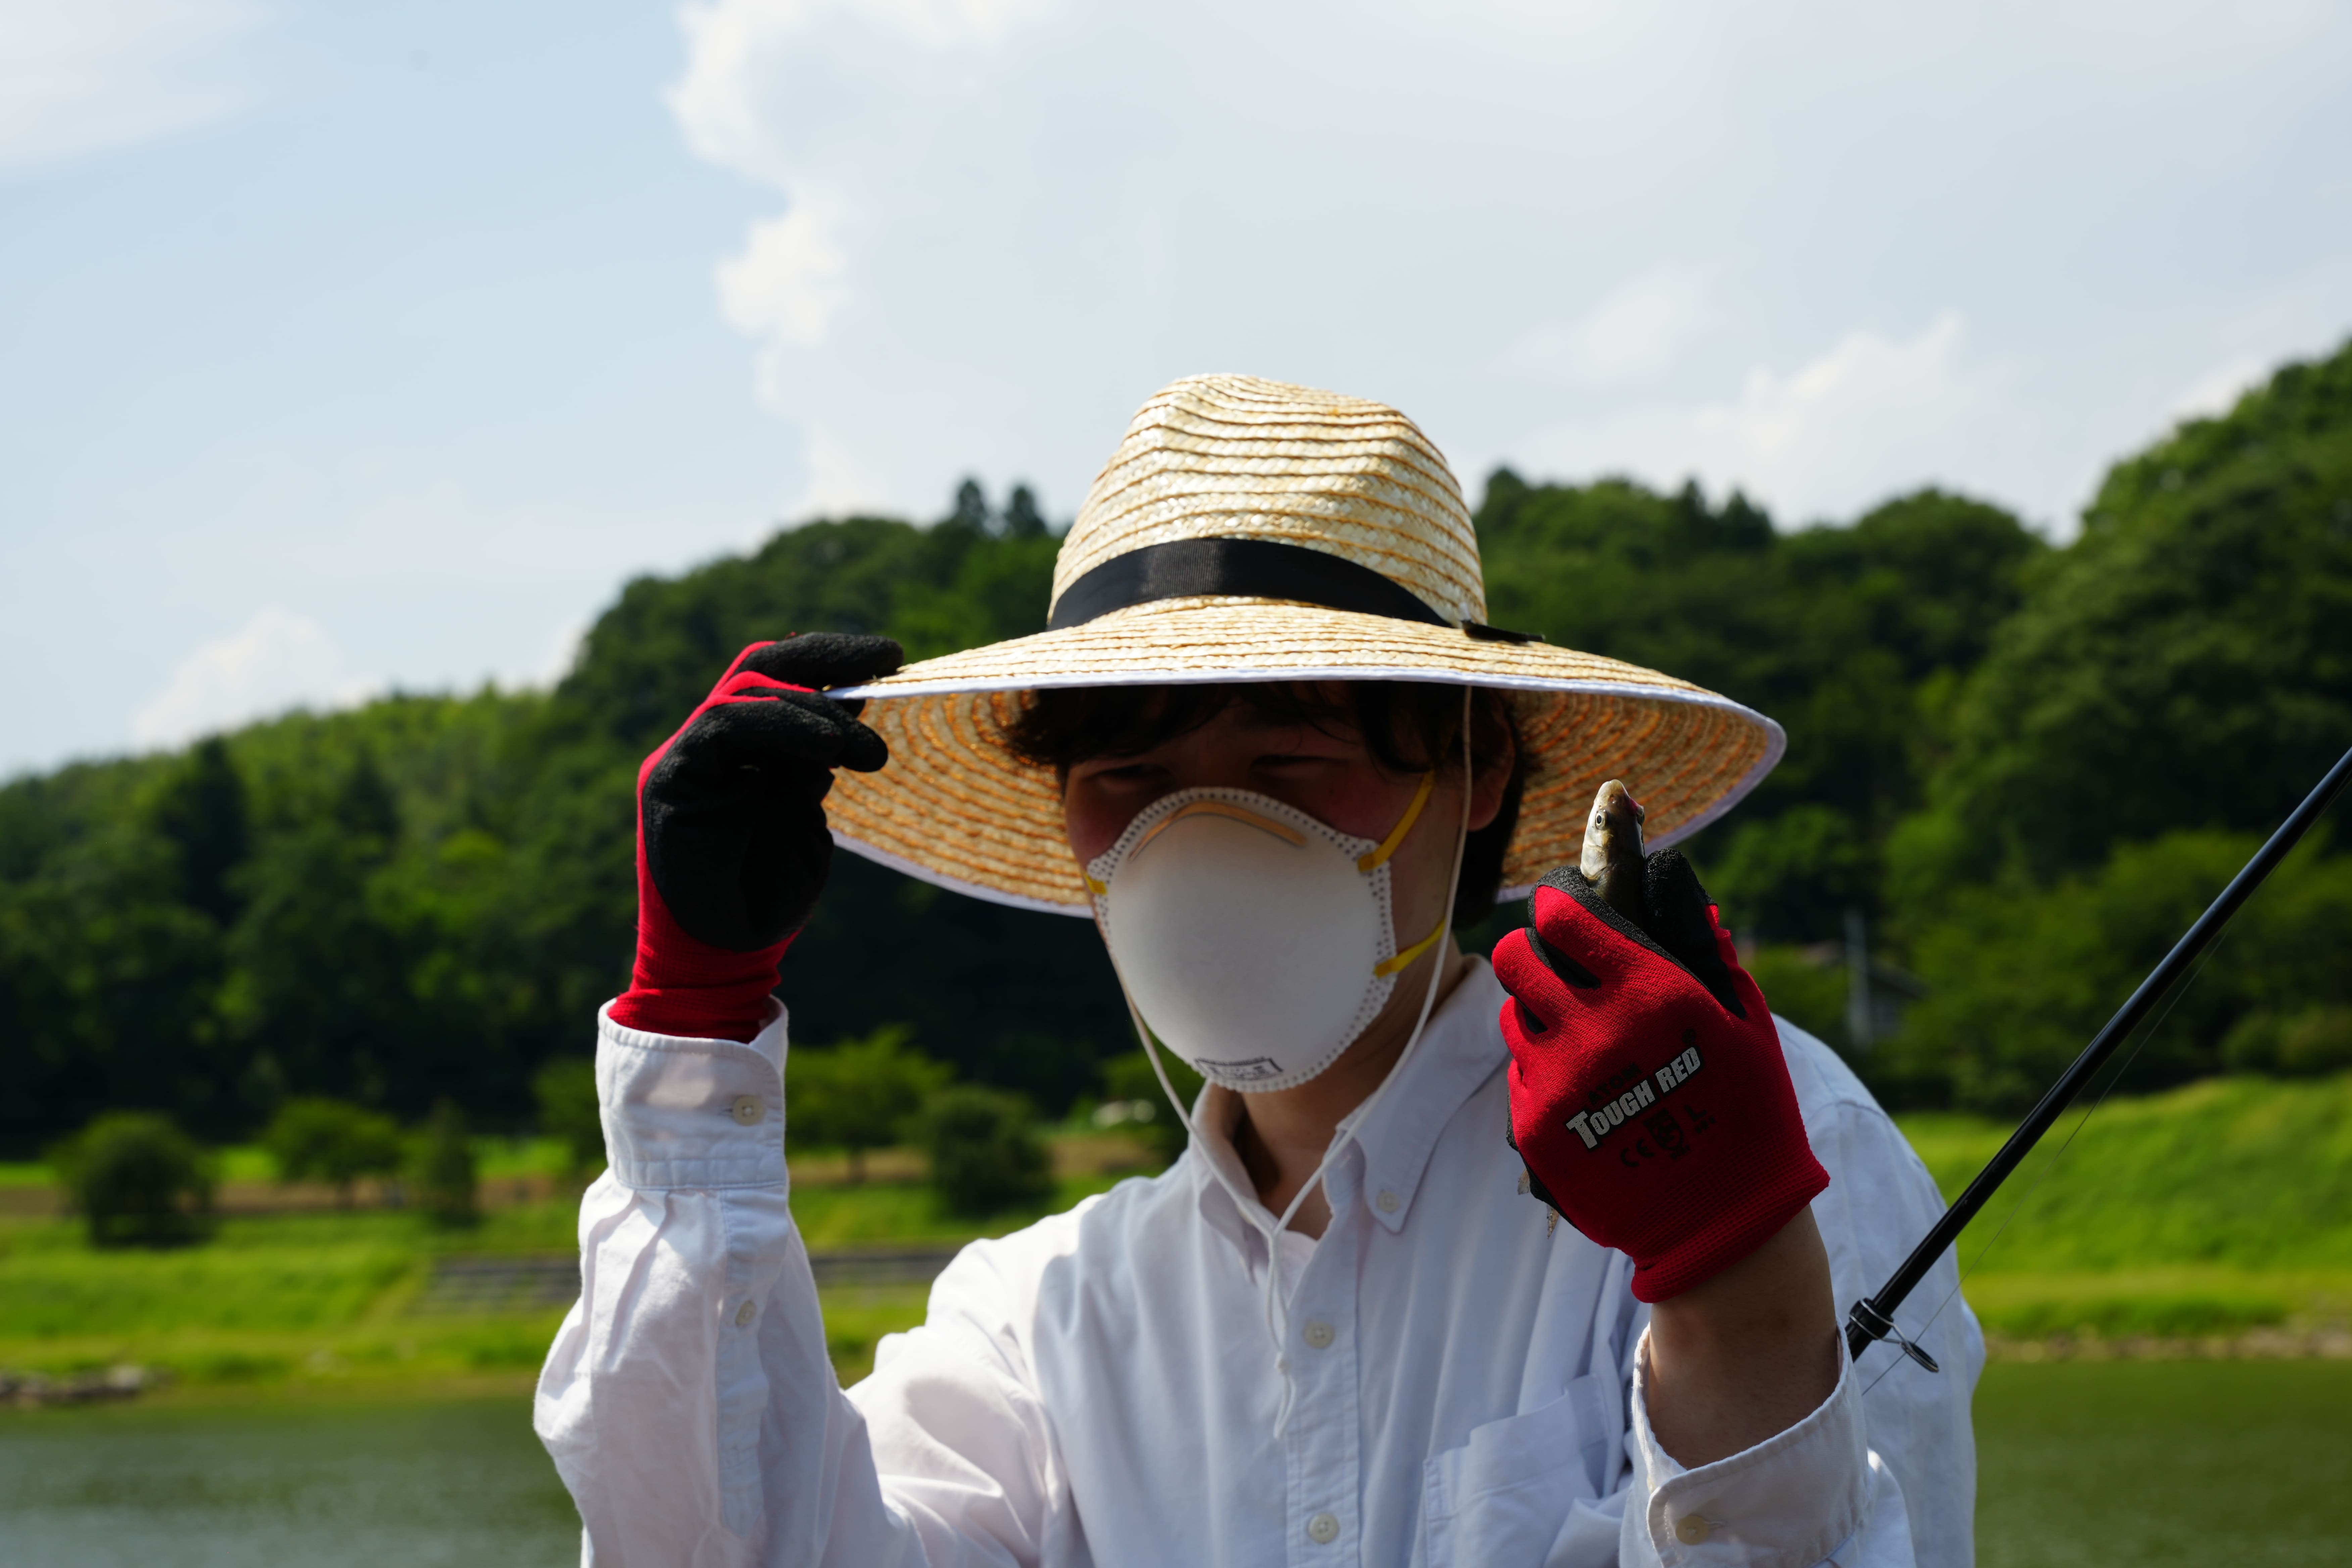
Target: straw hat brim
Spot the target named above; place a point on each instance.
(955, 808)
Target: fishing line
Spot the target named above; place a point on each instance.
(2058, 1156)
(1872, 1318)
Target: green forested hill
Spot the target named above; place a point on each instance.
(2023, 764)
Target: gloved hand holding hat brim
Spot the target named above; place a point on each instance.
(732, 845)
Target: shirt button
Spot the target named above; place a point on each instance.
(1388, 1202)
(1320, 1334)
(1691, 1530)
(744, 1314)
(746, 1110)
(1323, 1529)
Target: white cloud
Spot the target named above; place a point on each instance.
(1868, 416)
(561, 653)
(2217, 390)
(1634, 334)
(1553, 231)
(790, 278)
(276, 661)
(76, 75)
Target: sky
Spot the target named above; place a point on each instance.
(352, 348)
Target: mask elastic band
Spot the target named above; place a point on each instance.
(1373, 860)
(1404, 960)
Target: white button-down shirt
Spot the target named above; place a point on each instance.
(1104, 1387)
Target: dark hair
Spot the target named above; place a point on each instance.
(1408, 726)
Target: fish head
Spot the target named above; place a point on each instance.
(1613, 857)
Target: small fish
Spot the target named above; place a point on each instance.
(1612, 859)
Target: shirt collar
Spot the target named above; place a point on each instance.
(1459, 1050)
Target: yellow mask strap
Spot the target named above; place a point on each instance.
(1404, 960)
(1373, 860)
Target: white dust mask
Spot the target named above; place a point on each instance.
(1256, 941)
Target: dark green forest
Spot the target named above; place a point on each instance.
(2024, 767)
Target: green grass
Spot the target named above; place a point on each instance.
(2247, 1173)
(880, 1214)
(2161, 1462)
(2214, 1209)
(306, 1299)
(495, 1159)
(857, 1316)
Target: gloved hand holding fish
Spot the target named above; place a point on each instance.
(1650, 1100)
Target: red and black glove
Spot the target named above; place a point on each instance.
(1649, 1098)
(732, 848)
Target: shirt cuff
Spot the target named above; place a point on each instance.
(681, 1112)
(1788, 1502)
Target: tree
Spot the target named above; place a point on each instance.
(2186, 663)
(1022, 517)
(318, 1140)
(566, 1091)
(202, 812)
(1846, 636)
(986, 1156)
(447, 1188)
(136, 1180)
(2021, 977)
(860, 1094)
(1130, 1080)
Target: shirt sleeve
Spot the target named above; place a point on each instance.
(1812, 1494)
(689, 1401)
(1879, 1204)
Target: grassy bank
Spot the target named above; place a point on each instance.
(331, 1300)
(2215, 1208)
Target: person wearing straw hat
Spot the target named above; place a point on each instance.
(1269, 744)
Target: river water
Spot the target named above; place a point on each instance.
(377, 1486)
(2149, 1463)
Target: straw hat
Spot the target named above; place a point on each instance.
(1249, 531)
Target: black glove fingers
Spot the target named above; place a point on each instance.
(1676, 929)
(784, 866)
(1559, 962)
(770, 730)
(820, 659)
(854, 745)
(1678, 906)
(862, 750)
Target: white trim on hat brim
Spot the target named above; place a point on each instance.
(1776, 744)
(956, 884)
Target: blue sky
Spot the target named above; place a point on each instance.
(344, 347)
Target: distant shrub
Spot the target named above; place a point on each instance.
(2021, 978)
(860, 1095)
(137, 1180)
(1808, 994)
(333, 1142)
(1130, 1080)
(2308, 1044)
(986, 1156)
(446, 1184)
(566, 1091)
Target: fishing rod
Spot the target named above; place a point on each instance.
(1873, 1318)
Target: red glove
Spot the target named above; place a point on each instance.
(1649, 1098)
(732, 848)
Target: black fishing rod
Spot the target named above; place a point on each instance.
(1874, 1319)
